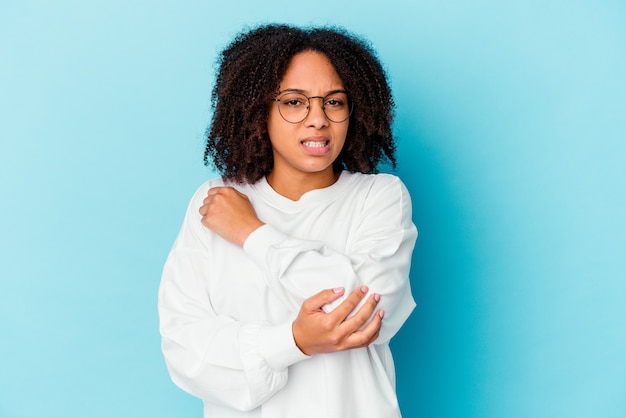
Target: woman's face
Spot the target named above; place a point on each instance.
(311, 146)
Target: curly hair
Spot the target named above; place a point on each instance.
(250, 71)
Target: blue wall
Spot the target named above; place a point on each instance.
(512, 126)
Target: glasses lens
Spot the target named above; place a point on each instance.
(337, 107)
(294, 107)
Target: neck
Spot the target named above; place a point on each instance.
(295, 186)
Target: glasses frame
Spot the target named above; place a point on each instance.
(280, 94)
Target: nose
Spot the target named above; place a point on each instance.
(317, 116)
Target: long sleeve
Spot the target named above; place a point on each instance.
(211, 355)
(377, 254)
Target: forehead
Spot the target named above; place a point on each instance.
(309, 71)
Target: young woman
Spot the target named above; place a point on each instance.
(290, 273)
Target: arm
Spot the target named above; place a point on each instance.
(212, 356)
(378, 254)
(235, 363)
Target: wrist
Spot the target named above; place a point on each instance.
(296, 338)
(248, 231)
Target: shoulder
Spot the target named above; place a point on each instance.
(201, 192)
(382, 193)
(209, 184)
(380, 202)
(377, 185)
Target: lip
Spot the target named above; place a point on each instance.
(316, 145)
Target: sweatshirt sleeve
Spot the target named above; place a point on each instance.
(377, 255)
(212, 356)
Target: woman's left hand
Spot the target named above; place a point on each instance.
(229, 213)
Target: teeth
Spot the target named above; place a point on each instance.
(314, 144)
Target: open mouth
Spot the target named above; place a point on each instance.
(315, 144)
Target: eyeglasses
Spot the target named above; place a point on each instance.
(294, 107)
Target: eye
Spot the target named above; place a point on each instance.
(335, 102)
(294, 101)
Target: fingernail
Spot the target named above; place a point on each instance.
(338, 289)
(381, 313)
(364, 289)
(376, 297)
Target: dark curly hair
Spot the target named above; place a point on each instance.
(250, 70)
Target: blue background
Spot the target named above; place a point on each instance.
(512, 140)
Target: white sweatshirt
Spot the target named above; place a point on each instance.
(226, 312)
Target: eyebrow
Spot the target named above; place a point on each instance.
(304, 91)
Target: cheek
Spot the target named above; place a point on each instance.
(273, 125)
(342, 133)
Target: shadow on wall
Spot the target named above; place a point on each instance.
(437, 351)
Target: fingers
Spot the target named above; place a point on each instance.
(361, 317)
(316, 331)
(322, 298)
(204, 209)
(364, 326)
(369, 333)
(226, 190)
(349, 305)
(215, 191)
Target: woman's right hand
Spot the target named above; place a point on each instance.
(316, 331)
